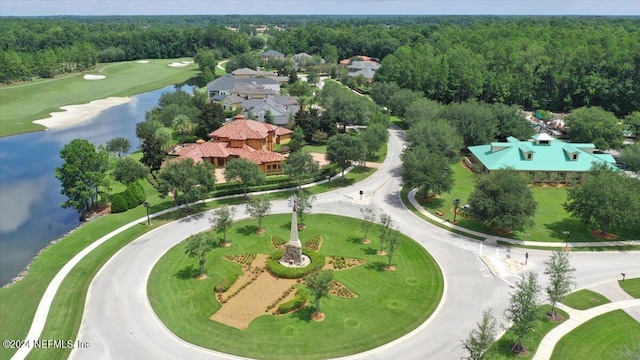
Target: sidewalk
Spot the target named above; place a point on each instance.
(491, 239)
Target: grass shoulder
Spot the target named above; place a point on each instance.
(631, 287)
(603, 337)
(584, 299)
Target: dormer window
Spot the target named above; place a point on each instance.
(529, 156)
(574, 157)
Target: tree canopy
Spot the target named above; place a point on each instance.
(343, 149)
(245, 172)
(502, 199)
(427, 170)
(606, 197)
(194, 181)
(83, 174)
(594, 125)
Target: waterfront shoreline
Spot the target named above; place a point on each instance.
(76, 114)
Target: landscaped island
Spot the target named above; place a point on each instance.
(369, 307)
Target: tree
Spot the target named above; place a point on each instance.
(476, 122)
(198, 246)
(594, 125)
(245, 172)
(385, 227)
(183, 125)
(368, 219)
(630, 156)
(426, 170)
(522, 311)
(438, 135)
(481, 338)
(128, 171)
(297, 140)
(421, 110)
(632, 121)
(300, 166)
(258, 207)
(606, 197)
(194, 181)
(393, 244)
(400, 101)
(82, 174)
(222, 220)
(268, 117)
(511, 122)
(561, 276)
(343, 149)
(152, 153)
(118, 146)
(319, 284)
(373, 137)
(502, 199)
(303, 201)
(210, 119)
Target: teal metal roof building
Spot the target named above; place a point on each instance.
(542, 158)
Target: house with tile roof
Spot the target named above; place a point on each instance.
(542, 158)
(248, 139)
(271, 54)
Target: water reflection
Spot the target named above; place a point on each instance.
(30, 212)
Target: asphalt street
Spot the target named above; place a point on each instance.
(119, 323)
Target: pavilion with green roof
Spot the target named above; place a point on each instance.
(542, 158)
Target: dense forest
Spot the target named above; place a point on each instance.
(554, 63)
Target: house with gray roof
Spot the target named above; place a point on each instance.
(224, 84)
(271, 54)
(364, 68)
(282, 108)
(543, 158)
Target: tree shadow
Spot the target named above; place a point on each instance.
(394, 199)
(375, 265)
(191, 218)
(247, 230)
(370, 251)
(355, 240)
(187, 273)
(559, 227)
(286, 226)
(303, 314)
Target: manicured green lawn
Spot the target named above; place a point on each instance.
(320, 149)
(502, 348)
(550, 220)
(584, 299)
(631, 286)
(602, 338)
(389, 304)
(23, 103)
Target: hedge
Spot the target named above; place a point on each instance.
(118, 204)
(301, 297)
(281, 271)
(226, 283)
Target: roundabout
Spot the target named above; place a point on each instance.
(387, 304)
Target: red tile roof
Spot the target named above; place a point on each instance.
(198, 152)
(241, 129)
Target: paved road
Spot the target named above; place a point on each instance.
(119, 323)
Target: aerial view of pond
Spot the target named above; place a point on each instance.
(30, 212)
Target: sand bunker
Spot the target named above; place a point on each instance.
(94, 77)
(75, 114)
(142, 61)
(181, 64)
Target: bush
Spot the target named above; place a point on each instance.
(129, 198)
(302, 295)
(281, 271)
(118, 204)
(138, 193)
(226, 283)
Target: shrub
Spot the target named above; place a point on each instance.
(118, 204)
(226, 283)
(129, 198)
(302, 295)
(281, 271)
(138, 193)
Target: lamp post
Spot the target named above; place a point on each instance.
(456, 203)
(147, 206)
(568, 233)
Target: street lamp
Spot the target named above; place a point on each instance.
(456, 203)
(147, 206)
(568, 233)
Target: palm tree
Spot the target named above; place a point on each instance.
(183, 125)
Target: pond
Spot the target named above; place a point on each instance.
(30, 212)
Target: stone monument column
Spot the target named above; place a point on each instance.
(293, 248)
